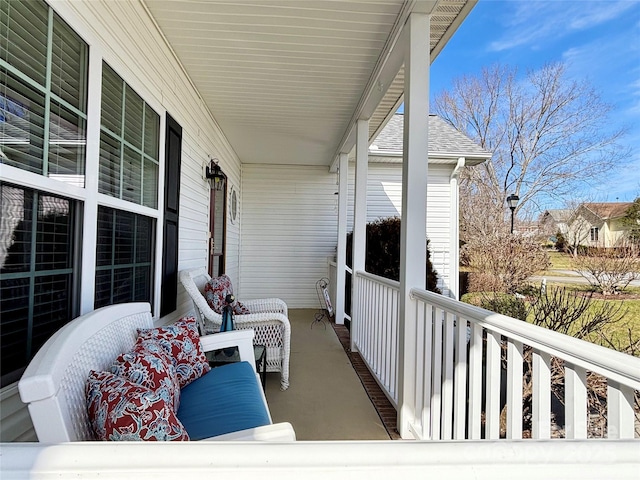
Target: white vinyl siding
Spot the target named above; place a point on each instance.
(289, 230)
(384, 199)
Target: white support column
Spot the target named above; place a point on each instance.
(454, 228)
(341, 256)
(359, 246)
(414, 194)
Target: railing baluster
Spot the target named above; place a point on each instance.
(436, 379)
(395, 346)
(447, 378)
(541, 418)
(379, 337)
(475, 381)
(514, 389)
(421, 400)
(620, 419)
(492, 412)
(427, 372)
(460, 388)
(386, 345)
(575, 410)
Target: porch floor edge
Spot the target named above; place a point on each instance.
(386, 411)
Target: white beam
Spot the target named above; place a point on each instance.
(341, 257)
(414, 193)
(359, 244)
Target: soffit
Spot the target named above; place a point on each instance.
(285, 79)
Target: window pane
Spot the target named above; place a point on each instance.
(67, 140)
(24, 29)
(133, 136)
(131, 175)
(142, 289)
(144, 232)
(123, 285)
(15, 237)
(151, 132)
(124, 238)
(54, 234)
(21, 124)
(111, 100)
(125, 249)
(133, 115)
(14, 303)
(52, 307)
(150, 184)
(103, 288)
(68, 65)
(37, 237)
(109, 168)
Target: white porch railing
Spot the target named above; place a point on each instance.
(375, 333)
(480, 460)
(468, 358)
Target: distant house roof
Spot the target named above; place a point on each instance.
(561, 215)
(608, 211)
(445, 142)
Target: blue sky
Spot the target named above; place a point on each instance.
(600, 41)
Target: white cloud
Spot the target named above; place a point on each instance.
(534, 23)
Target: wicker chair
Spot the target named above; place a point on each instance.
(268, 318)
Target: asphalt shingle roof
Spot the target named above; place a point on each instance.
(609, 210)
(443, 139)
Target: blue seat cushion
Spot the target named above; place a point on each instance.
(227, 399)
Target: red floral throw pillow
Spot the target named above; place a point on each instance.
(122, 410)
(151, 366)
(182, 342)
(215, 292)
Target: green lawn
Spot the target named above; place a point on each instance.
(618, 331)
(560, 261)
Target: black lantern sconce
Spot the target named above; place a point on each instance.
(512, 201)
(215, 175)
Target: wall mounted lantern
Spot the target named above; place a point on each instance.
(215, 175)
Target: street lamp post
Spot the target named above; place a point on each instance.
(512, 201)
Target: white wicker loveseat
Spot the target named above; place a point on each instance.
(268, 318)
(53, 385)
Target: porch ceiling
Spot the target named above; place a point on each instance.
(286, 79)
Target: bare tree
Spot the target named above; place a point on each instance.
(502, 262)
(546, 132)
(609, 270)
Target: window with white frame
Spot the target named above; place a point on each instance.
(128, 169)
(43, 112)
(129, 143)
(124, 257)
(594, 234)
(43, 95)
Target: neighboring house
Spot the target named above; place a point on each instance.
(449, 151)
(552, 222)
(598, 224)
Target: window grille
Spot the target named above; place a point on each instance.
(37, 273)
(124, 257)
(43, 92)
(129, 143)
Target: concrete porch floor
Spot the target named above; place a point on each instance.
(326, 399)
